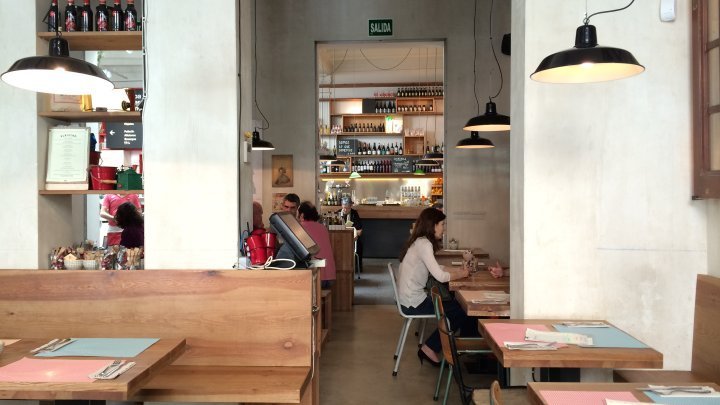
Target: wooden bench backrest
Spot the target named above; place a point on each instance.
(706, 332)
(228, 317)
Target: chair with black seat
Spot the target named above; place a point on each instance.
(464, 345)
(406, 324)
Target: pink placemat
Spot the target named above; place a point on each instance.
(585, 397)
(51, 370)
(510, 332)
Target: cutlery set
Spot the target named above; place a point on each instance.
(667, 390)
(111, 371)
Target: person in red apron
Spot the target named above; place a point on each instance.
(110, 204)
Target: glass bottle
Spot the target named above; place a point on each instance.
(53, 16)
(116, 17)
(130, 16)
(70, 16)
(85, 21)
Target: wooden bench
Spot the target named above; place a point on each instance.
(705, 364)
(326, 309)
(250, 334)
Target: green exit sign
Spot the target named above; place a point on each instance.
(380, 28)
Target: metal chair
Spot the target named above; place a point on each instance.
(406, 324)
(463, 345)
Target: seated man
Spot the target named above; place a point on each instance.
(350, 214)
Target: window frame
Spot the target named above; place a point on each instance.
(706, 182)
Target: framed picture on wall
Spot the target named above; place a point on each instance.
(277, 201)
(282, 170)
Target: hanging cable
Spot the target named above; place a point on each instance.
(493, 52)
(378, 67)
(255, 70)
(587, 19)
(477, 102)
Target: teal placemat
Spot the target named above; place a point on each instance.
(682, 400)
(102, 347)
(605, 337)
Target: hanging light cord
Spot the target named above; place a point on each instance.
(586, 21)
(477, 102)
(378, 67)
(255, 70)
(493, 52)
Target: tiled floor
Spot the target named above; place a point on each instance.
(356, 363)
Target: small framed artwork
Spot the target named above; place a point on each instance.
(282, 170)
(277, 201)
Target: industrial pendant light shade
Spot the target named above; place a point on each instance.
(355, 175)
(434, 156)
(259, 144)
(336, 163)
(474, 142)
(587, 62)
(57, 73)
(490, 121)
(327, 158)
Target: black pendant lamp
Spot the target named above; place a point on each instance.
(475, 142)
(427, 163)
(491, 121)
(259, 144)
(587, 62)
(57, 73)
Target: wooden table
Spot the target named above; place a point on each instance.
(481, 280)
(571, 356)
(536, 398)
(122, 388)
(466, 298)
(477, 252)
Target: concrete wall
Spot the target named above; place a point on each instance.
(191, 135)
(477, 182)
(606, 225)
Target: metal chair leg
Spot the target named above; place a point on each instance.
(401, 345)
(422, 331)
(439, 380)
(447, 385)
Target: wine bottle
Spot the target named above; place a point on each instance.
(116, 17)
(401, 150)
(130, 16)
(85, 22)
(53, 17)
(70, 16)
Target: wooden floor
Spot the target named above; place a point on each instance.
(357, 361)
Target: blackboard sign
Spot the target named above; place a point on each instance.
(346, 147)
(123, 135)
(403, 164)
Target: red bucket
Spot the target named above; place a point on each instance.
(103, 177)
(256, 249)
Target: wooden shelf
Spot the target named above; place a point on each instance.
(99, 41)
(421, 113)
(345, 175)
(81, 116)
(374, 156)
(82, 192)
(365, 134)
(391, 84)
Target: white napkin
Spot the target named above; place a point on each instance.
(125, 366)
(558, 337)
(530, 346)
(670, 391)
(588, 324)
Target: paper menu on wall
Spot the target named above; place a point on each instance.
(558, 337)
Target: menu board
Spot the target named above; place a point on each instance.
(68, 158)
(403, 164)
(123, 135)
(346, 147)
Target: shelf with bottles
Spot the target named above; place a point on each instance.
(345, 175)
(99, 40)
(93, 116)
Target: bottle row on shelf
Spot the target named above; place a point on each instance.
(420, 91)
(363, 127)
(415, 108)
(364, 148)
(80, 18)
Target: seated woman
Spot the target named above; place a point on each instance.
(308, 217)
(417, 263)
(132, 223)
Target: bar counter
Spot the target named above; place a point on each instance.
(368, 211)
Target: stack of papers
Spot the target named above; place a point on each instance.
(492, 298)
(530, 346)
(558, 337)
